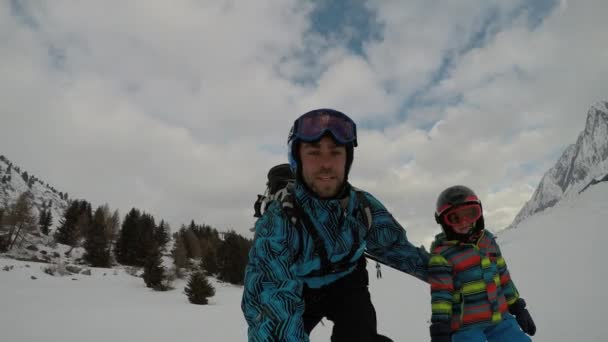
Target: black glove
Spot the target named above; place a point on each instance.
(441, 332)
(382, 338)
(518, 309)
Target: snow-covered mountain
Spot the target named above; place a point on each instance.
(581, 165)
(14, 181)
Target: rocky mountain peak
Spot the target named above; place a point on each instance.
(581, 164)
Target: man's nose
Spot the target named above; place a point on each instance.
(326, 160)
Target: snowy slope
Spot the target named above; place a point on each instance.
(42, 192)
(579, 165)
(556, 260)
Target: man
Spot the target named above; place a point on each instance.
(308, 266)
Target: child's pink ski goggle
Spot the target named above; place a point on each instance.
(462, 215)
(314, 124)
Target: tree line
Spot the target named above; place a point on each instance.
(137, 240)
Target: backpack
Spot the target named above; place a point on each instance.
(280, 181)
(279, 187)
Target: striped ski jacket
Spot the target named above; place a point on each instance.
(470, 283)
(283, 256)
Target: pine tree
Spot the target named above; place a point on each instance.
(66, 232)
(192, 244)
(20, 219)
(113, 225)
(75, 222)
(154, 272)
(135, 238)
(161, 235)
(85, 219)
(180, 257)
(96, 244)
(3, 238)
(128, 238)
(147, 244)
(45, 221)
(210, 261)
(198, 288)
(232, 257)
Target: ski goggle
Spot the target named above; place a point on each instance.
(314, 124)
(462, 215)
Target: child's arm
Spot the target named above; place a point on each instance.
(517, 305)
(442, 291)
(509, 289)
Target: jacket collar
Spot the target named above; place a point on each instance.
(306, 198)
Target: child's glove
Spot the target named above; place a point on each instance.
(518, 309)
(440, 332)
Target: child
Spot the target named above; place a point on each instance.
(473, 297)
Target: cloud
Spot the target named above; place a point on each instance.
(153, 106)
(515, 110)
(180, 109)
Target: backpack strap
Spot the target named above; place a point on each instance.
(306, 223)
(302, 221)
(365, 208)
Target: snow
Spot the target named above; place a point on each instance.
(555, 258)
(601, 106)
(42, 194)
(579, 164)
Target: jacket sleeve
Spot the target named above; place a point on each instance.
(442, 289)
(387, 241)
(509, 289)
(272, 296)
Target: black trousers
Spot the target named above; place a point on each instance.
(348, 305)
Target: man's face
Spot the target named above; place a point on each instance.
(323, 166)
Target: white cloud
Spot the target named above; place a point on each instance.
(173, 109)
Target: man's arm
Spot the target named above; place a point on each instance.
(387, 241)
(272, 296)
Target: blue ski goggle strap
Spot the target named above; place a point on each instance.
(314, 124)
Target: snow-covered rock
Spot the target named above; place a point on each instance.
(582, 164)
(13, 183)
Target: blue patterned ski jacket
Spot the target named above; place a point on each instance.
(283, 255)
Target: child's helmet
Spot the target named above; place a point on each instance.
(454, 196)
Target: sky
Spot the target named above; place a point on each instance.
(60, 309)
(180, 109)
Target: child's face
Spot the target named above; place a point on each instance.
(462, 218)
(462, 229)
